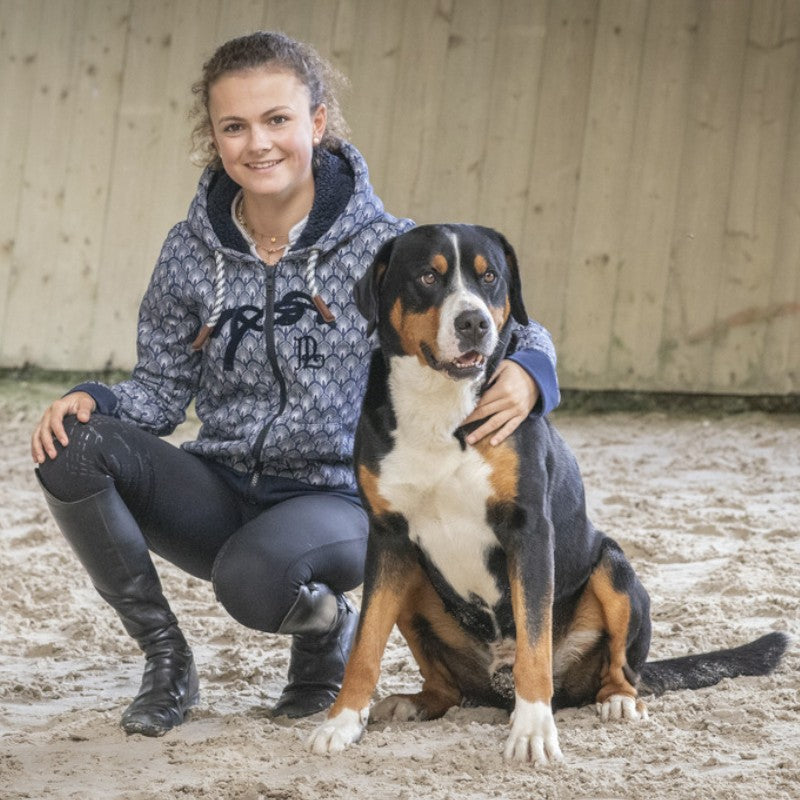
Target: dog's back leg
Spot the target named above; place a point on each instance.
(626, 615)
(614, 614)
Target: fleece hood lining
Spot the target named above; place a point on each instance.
(334, 185)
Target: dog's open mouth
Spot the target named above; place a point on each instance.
(468, 360)
(467, 365)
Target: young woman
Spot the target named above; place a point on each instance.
(249, 313)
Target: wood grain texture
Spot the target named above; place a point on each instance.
(642, 156)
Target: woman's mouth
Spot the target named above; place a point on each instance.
(264, 166)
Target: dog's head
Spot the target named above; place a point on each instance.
(443, 293)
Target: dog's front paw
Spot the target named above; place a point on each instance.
(622, 707)
(533, 734)
(338, 732)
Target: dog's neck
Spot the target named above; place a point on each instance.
(427, 403)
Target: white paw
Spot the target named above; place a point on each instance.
(622, 707)
(533, 734)
(395, 708)
(338, 732)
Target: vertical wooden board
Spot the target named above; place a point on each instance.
(557, 150)
(36, 287)
(781, 350)
(332, 32)
(20, 22)
(649, 212)
(511, 118)
(129, 250)
(462, 118)
(311, 21)
(236, 18)
(93, 89)
(414, 139)
(599, 219)
(373, 75)
(703, 193)
(744, 303)
(292, 17)
(192, 41)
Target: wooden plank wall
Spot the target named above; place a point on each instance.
(642, 155)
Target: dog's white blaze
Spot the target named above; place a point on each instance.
(458, 299)
(439, 488)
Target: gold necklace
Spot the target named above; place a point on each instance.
(254, 236)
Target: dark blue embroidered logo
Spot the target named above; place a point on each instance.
(242, 319)
(288, 310)
(292, 306)
(306, 352)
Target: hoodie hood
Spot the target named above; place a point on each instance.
(344, 204)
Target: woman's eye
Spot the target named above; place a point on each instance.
(490, 276)
(278, 120)
(233, 127)
(428, 278)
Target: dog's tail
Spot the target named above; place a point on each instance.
(705, 669)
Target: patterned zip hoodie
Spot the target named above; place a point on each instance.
(277, 388)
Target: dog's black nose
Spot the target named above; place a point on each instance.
(471, 327)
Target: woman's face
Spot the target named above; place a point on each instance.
(264, 131)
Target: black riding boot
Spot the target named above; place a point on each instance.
(109, 544)
(323, 625)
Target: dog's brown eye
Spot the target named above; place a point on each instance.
(489, 276)
(428, 278)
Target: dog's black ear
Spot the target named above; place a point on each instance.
(367, 289)
(515, 290)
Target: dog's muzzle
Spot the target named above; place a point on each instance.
(474, 339)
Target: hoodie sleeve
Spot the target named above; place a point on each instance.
(536, 354)
(167, 371)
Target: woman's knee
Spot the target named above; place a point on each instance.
(77, 470)
(259, 570)
(246, 586)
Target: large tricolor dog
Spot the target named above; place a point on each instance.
(483, 555)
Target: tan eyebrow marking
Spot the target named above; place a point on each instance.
(481, 264)
(439, 263)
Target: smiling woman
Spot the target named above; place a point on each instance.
(263, 503)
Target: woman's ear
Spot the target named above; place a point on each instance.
(319, 122)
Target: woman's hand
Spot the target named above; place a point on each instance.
(51, 426)
(510, 397)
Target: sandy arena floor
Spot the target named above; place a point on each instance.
(708, 510)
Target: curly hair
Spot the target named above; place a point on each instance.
(271, 50)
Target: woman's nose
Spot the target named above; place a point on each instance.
(260, 139)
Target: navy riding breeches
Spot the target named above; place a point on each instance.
(257, 544)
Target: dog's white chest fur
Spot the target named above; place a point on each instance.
(440, 488)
